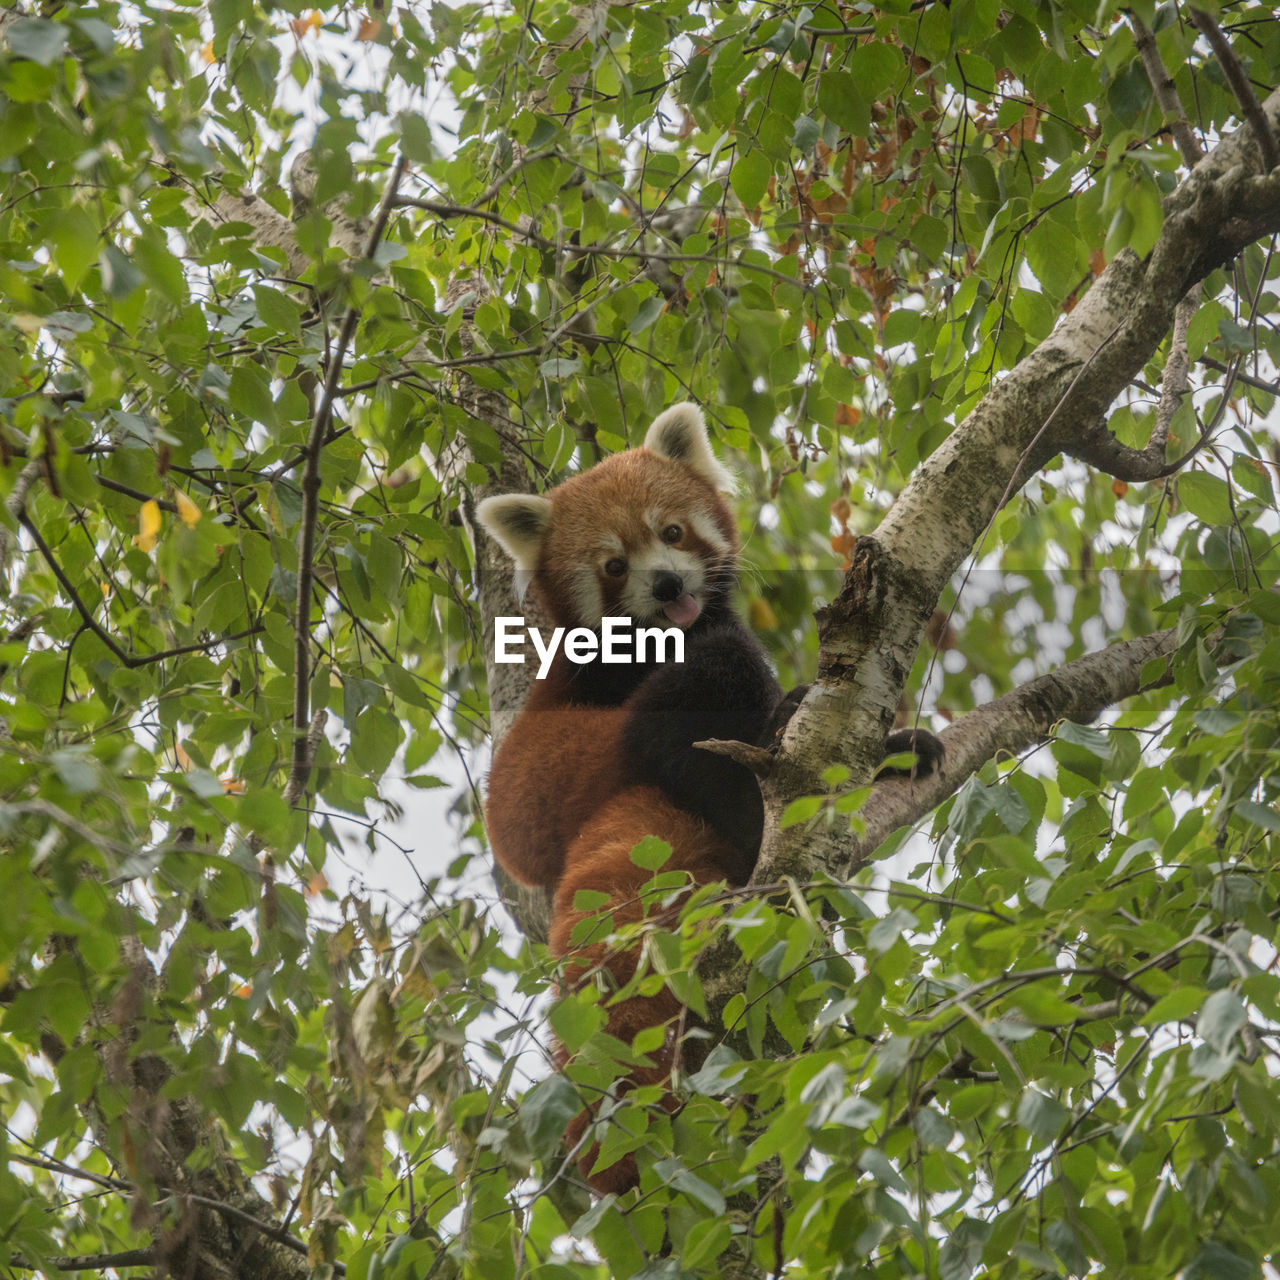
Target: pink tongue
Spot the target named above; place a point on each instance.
(683, 610)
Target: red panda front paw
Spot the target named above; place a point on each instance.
(781, 717)
(929, 752)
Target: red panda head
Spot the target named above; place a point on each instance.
(644, 534)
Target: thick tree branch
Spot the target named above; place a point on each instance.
(1100, 449)
(269, 228)
(1078, 692)
(871, 632)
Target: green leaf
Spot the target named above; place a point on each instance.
(844, 102)
(879, 1166)
(675, 1172)
(878, 67)
(1216, 1262)
(1040, 1115)
(651, 853)
(119, 275)
(801, 810)
(1205, 496)
(884, 933)
(1177, 1006)
(648, 311)
(74, 235)
(1264, 816)
(749, 177)
(1221, 1017)
(36, 38)
(545, 1110)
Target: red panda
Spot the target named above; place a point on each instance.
(602, 753)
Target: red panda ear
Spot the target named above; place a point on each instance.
(518, 523)
(680, 433)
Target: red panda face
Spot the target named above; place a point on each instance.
(644, 534)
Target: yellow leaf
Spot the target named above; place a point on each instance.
(207, 52)
(761, 613)
(148, 525)
(187, 509)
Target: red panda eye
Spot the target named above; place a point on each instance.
(672, 533)
(616, 567)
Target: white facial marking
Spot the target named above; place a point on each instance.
(709, 532)
(588, 602)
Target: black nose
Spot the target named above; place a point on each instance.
(667, 586)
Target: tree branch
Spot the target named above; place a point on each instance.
(522, 162)
(124, 657)
(1099, 448)
(1166, 92)
(303, 755)
(92, 1261)
(1240, 86)
(1078, 692)
(269, 1231)
(1174, 383)
(446, 209)
(759, 760)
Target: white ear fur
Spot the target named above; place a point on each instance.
(518, 523)
(680, 433)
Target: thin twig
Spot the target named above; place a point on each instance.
(503, 178)
(300, 770)
(1248, 379)
(220, 1206)
(130, 492)
(1240, 86)
(91, 1261)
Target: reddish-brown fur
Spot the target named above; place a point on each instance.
(600, 859)
(555, 768)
